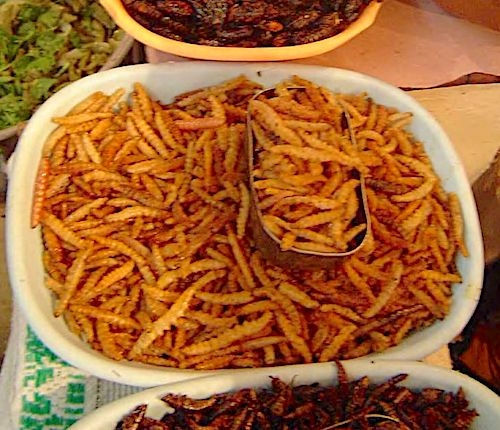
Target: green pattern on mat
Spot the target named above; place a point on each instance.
(48, 381)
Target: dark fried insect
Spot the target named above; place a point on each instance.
(246, 23)
(355, 404)
(176, 401)
(133, 420)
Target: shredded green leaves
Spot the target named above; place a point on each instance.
(44, 45)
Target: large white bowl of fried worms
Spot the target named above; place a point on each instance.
(127, 242)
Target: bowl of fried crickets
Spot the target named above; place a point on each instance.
(127, 238)
(244, 31)
(373, 393)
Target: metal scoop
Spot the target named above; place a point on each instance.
(268, 243)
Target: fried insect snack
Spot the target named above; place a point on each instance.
(306, 173)
(143, 210)
(246, 23)
(348, 404)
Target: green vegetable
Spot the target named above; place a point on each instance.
(13, 107)
(46, 44)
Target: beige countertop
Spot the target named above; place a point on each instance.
(470, 116)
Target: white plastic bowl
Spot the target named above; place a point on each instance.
(24, 244)
(420, 375)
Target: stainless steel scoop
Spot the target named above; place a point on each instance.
(267, 242)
